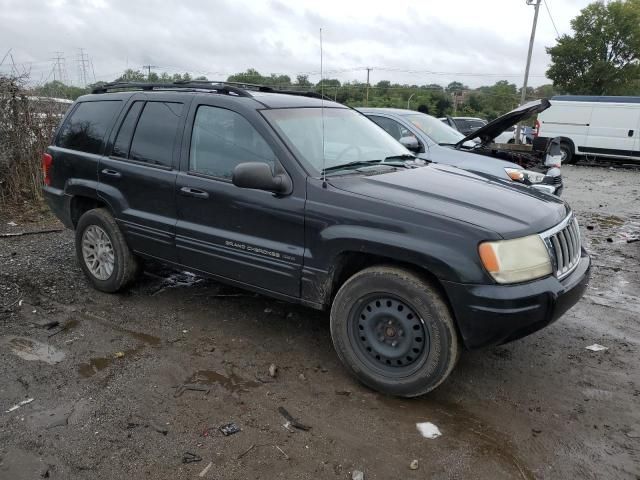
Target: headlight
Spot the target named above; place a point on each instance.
(518, 175)
(518, 260)
(534, 177)
(515, 174)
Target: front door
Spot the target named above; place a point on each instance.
(249, 236)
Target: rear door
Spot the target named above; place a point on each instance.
(249, 236)
(138, 177)
(612, 130)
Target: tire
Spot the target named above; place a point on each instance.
(99, 226)
(378, 306)
(567, 153)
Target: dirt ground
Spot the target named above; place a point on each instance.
(104, 373)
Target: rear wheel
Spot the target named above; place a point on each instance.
(103, 253)
(394, 332)
(566, 152)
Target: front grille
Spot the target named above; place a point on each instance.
(563, 243)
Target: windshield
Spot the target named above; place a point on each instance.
(348, 136)
(435, 129)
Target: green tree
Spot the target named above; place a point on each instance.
(303, 81)
(603, 54)
(456, 87)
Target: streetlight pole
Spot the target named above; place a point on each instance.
(409, 100)
(526, 71)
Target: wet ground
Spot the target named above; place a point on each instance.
(125, 385)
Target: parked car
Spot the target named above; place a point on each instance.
(464, 125)
(433, 141)
(593, 125)
(307, 201)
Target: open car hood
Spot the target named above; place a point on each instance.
(492, 129)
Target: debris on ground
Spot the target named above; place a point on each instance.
(273, 370)
(633, 434)
(18, 405)
(428, 430)
(189, 457)
(268, 310)
(158, 428)
(229, 429)
(345, 393)
(292, 421)
(282, 452)
(180, 389)
(357, 475)
(37, 232)
(12, 224)
(414, 465)
(118, 355)
(206, 469)
(302, 377)
(596, 347)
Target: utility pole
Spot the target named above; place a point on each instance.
(59, 68)
(526, 71)
(366, 101)
(149, 67)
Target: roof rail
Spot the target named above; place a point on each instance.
(213, 86)
(240, 89)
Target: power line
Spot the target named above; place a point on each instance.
(83, 66)
(546, 5)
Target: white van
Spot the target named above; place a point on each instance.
(593, 125)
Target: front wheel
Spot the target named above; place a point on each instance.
(103, 253)
(394, 332)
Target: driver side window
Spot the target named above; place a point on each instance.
(392, 127)
(222, 139)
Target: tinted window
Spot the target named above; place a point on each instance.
(222, 139)
(392, 127)
(87, 126)
(123, 140)
(156, 132)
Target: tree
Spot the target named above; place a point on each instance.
(603, 55)
(456, 87)
(303, 81)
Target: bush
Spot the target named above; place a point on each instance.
(26, 126)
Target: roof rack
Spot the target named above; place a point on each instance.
(239, 89)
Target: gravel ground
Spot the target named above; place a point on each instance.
(104, 370)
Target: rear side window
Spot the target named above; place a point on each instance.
(123, 140)
(86, 127)
(156, 133)
(392, 127)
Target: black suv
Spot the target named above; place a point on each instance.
(306, 200)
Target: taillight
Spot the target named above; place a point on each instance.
(536, 130)
(47, 163)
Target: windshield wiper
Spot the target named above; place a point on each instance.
(404, 156)
(357, 163)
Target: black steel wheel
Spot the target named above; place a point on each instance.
(390, 333)
(392, 329)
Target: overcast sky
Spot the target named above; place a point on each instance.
(415, 42)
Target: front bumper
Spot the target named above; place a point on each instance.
(494, 314)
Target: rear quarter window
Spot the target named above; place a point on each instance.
(155, 134)
(85, 129)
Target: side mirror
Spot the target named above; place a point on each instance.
(258, 175)
(411, 143)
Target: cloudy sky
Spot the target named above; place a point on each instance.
(416, 42)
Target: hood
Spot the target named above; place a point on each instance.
(508, 209)
(492, 129)
(468, 161)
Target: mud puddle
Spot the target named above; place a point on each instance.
(33, 350)
(97, 364)
(461, 427)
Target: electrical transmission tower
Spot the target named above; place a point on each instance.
(83, 68)
(59, 67)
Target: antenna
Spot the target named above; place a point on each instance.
(324, 173)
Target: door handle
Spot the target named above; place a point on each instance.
(630, 134)
(193, 192)
(112, 173)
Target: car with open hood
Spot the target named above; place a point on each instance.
(433, 141)
(308, 201)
